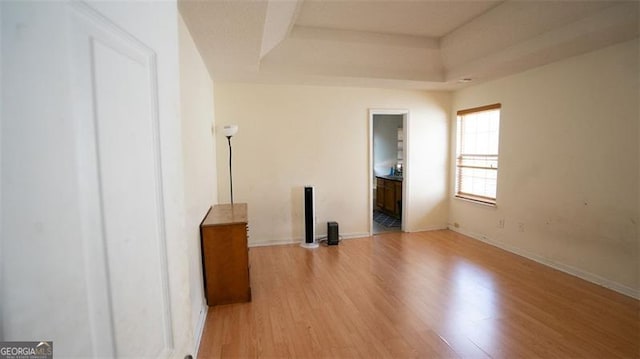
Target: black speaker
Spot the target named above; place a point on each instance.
(332, 233)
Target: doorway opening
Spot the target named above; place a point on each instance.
(387, 169)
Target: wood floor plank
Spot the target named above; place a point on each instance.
(434, 294)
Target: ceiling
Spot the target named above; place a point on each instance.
(419, 44)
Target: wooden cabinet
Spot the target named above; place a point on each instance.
(380, 192)
(225, 254)
(398, 198)
(389, 196)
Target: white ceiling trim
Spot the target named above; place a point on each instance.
(611, 25)
(366, 37)
(264, 41)
(279, 20)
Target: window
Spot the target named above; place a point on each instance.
(477, 153)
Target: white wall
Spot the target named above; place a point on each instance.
(569, 163)
(37, 155)
(200, 182)
(291, 136)
(385, 143)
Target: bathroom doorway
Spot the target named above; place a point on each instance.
(387, 170)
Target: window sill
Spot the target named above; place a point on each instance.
(475, 201)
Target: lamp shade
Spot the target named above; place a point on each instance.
(230, 130)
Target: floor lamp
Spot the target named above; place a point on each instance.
(229, 131)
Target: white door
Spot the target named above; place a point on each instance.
(90, 194)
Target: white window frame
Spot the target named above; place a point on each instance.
(475, 161)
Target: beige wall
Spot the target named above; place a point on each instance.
(569, 163)
(292, 136)
(200, 182)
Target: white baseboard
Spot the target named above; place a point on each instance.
(354, 235)
(274, 243)
(199, 329)
(299, 240)
(436, 227)
(589, 277)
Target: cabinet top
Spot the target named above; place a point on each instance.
(392, 178)
(221, 214)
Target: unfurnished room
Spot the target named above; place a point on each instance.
(320, 179)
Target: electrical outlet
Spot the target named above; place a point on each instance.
(501, 223)
(520, 227)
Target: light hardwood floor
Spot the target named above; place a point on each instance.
(432, 294)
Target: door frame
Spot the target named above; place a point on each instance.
(405, 168)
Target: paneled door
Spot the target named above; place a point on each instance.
(119, 153)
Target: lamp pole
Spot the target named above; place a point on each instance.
(230, 171)
(229, 131)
